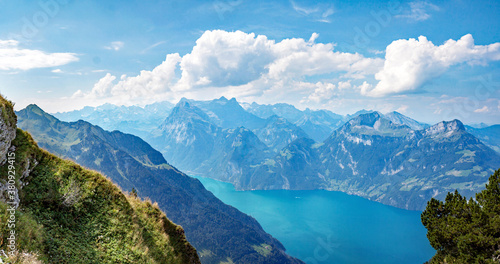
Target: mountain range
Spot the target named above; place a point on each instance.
(317, 124)
(389, 158)
(219, 232)
(372, 157)
(490, 135)
(128, 119)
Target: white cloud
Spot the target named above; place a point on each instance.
(299, 71)
(485, 109)
(12, 57)
(8, 43)
(345, 85)
(115, 45)
(365, 88)
(402, 109)
(103, 86)
(148, 86)
(222, 58)
(238, 64)
(313, 37)
(374, 51)
(57, 71)
(322, 92)
(409, 64)
(419, 11)
(296, 57)
(466, 108)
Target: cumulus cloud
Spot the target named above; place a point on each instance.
(254, 68)
(222, 58)
(364, 88)
(322, 92)
(409, 64)
(344, 85)
(148, 86)
(239, 64)
(103, 86)
(296, 57)
(12, 57)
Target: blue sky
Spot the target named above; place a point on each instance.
(431, 60)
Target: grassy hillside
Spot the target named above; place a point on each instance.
(68, 214)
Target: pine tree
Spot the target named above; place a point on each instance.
(465, 231)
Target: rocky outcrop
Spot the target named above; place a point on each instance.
(7, 134)
(7, 128)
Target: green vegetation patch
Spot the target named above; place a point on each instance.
(477, 168)
(459, 173)
(270, 162)
(409, 184)
(7, 111)
(466, 153)
(69, 214)
(384, 187)
(228, 261)
(286, 153)
(206, 253)
(317, 145)
(399, 153)
(460, 186)
(263, 249)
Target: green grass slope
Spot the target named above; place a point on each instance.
(68, 214)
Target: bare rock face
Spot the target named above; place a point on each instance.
(7, 134)
(7, 128)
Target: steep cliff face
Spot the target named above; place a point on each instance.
(7, 128)
(8, 122)
(54, 211)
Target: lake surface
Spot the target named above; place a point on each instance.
(332, 227)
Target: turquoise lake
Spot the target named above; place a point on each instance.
(332, 227)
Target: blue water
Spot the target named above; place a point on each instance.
(332, 227)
